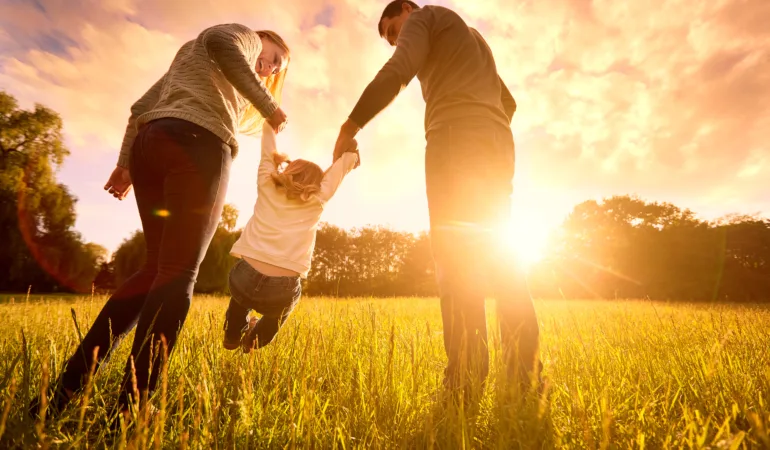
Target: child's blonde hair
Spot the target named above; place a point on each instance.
(300, 178)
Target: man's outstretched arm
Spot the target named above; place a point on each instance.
(509, 104)
(412, 49)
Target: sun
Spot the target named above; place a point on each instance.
(526, 240)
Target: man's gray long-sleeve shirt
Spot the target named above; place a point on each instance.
(455, 66)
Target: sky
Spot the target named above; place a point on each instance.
(665, 99)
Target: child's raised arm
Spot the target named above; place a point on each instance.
(267, 162)
(336, 173)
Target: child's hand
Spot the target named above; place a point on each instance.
(352, 147)
(358, 161)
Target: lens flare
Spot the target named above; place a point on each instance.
(51, 260)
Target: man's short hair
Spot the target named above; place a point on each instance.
(392, 10)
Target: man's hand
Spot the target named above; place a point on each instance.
(278, 120)
(352, 147)
(119, 184)
(346, 140)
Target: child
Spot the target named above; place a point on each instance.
(277, 244)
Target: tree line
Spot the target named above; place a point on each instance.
(366, 261)
(624, 247)
(619, 247)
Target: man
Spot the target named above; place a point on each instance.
(469, 165)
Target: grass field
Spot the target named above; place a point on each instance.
(364, 373)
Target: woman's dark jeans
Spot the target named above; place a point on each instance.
(180, 173)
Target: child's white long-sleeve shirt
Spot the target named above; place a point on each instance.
(282, 232)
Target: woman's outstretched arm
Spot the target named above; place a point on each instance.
(228, 45)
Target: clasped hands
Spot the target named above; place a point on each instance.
(346, 142)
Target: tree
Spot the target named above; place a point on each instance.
(104, 282)
(330, 266)
(417, 273)
(229, 217)
(626, 247)
(376, 255)
(216, 265)
(129, 257)
(37, 215)
(366, 261)
(745, 272)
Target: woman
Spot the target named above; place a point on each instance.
(177, 151)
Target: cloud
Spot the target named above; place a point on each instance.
(667, 99)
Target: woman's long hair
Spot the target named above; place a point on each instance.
(252, 120)
(300, 179)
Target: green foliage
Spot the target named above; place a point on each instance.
(624, 247)
(215, 268)
(370, 261)
(37, 214)
(229, 217)
(129, 257)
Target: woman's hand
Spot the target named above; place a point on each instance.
(119, 184)
(278, 120)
